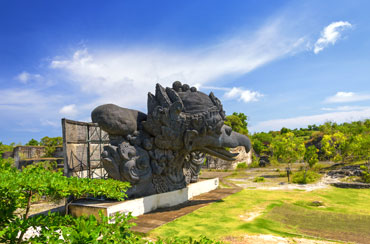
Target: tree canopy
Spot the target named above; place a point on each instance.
(238, 122)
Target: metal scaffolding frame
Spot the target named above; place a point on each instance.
(83, 144)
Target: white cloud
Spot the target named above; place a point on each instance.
(330, 35)
(46, 122)
(303, 121)
(342, 97)
(125, 76)
(25, 77)
(31, 106)
(244, 95)
(68, 110)
(344, 108)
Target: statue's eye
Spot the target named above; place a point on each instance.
(228, 130)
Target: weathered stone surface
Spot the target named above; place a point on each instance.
(116, 120)
(26, 155)
(354, 185)
(217, 163)
(349, 170)
(164, 150)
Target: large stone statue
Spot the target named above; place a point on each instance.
(164, 150)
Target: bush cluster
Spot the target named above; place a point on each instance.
(305, 177)
(242, 165)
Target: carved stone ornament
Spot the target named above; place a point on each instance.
(165, 149)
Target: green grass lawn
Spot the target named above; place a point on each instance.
(345, 215)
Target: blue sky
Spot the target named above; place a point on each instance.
(282, 63)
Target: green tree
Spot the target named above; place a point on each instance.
(261, 142)
(359, 147)
(51, 143)
(287, 148)
(32, 142)
(238, 122)
(284, 130)
(334, 146)
(310, 156)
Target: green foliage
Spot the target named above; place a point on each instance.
(19, 188)
(365, 174)
(305, 177)
(335, 142)
(310, 156)
(51, 143)
(5, 148)
(333, 145)
(287, 148)
(358, 148)
(284, 130)
(261, 142)
(242, 165)
(33, 142)
(259, 179)
(238, 122)
(90, 230)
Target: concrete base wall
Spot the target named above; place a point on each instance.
(142, 205)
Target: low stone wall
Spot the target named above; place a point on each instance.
(25, 155)
(7, 155)
(24, 163)
(355, 185)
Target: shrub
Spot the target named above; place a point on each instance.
(259, 179)
(305, 177)
(242, 165)
(365, 174)
(19, 188)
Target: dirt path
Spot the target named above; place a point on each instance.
(323, 183)
(271, 239)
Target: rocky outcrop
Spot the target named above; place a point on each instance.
(353, 185)
(217, 163)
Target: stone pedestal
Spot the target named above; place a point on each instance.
(142, 205)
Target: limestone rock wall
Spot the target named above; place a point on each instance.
(217, 163)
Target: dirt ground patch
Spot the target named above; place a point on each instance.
(271, 239)
(246, 183)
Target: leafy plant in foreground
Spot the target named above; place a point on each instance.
(19, 188)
